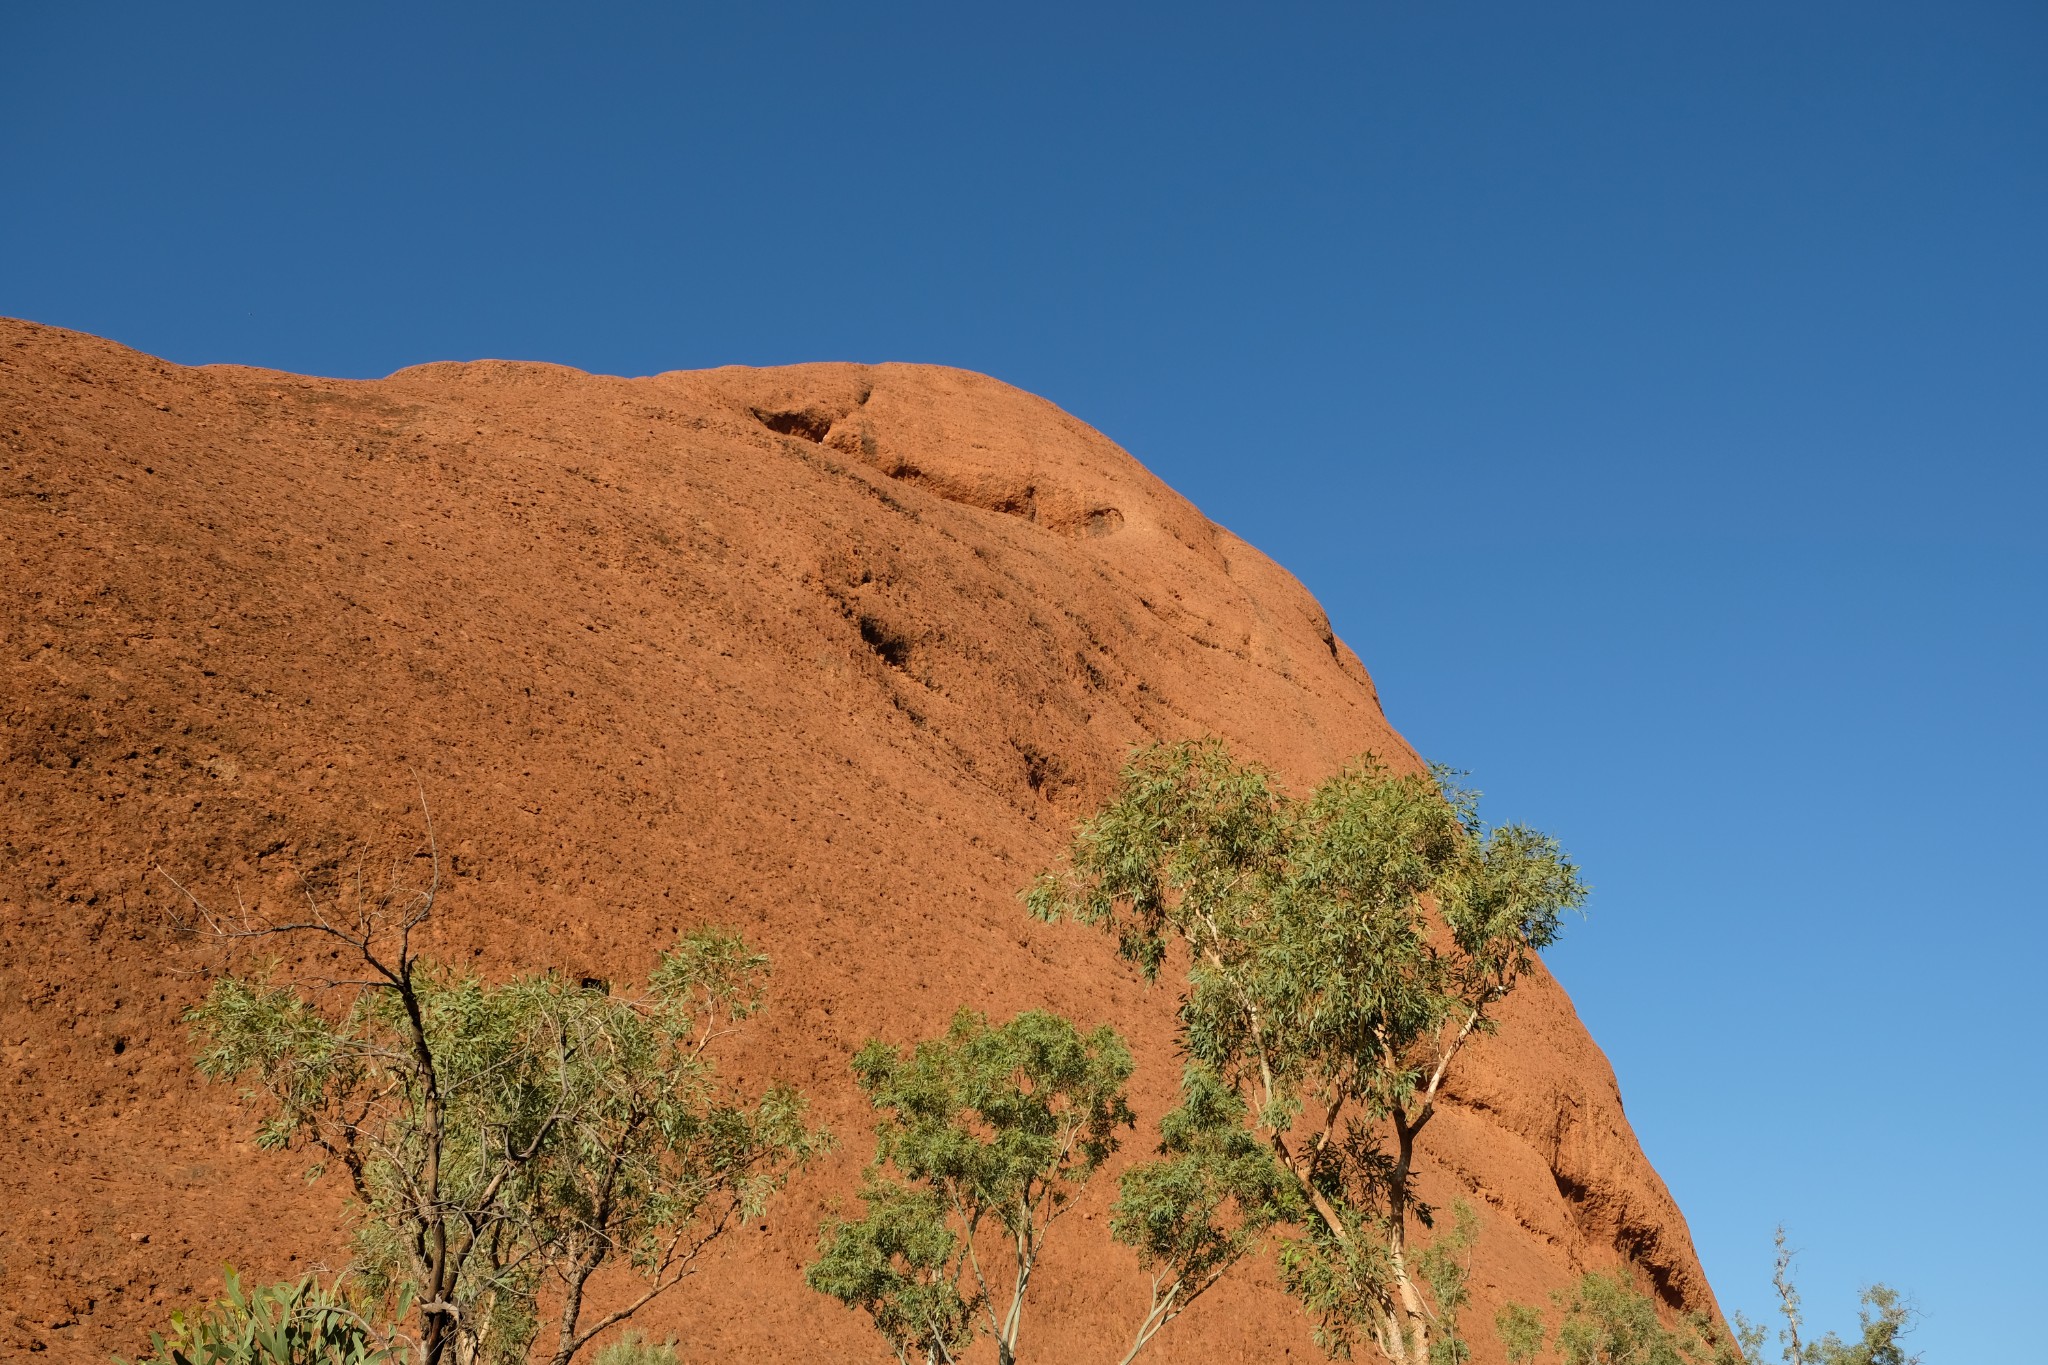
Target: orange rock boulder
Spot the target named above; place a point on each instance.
(833, 655)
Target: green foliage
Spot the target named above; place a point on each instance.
(280, 1324)
(1521, 1331)
(1205, 1202)
(1883, 1317)
(1607, 1322)
(1009, 1116)
(1342, 948)
(1446, 1268)
(986, 1134)
(632, 1349)
(504, 1139)
(1604, 1320)
(902, 1264)
(1340, 1270)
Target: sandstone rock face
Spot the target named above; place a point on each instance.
(832, 654)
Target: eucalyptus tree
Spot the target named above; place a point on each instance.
(986, 1134)
(1341, 949)
(504, 1142)
(1201, 1205)
(1883, 1318)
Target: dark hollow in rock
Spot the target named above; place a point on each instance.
(1103, 521)
(891, 648)
(805, 423)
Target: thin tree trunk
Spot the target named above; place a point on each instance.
(572, 1309)
(437, 1309)
(1156, 1317)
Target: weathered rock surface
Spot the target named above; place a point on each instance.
(832, 654)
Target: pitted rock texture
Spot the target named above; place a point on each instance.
(831, 654)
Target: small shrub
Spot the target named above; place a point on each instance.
(278, 1324)
(1605, 1320)
(634, 1349)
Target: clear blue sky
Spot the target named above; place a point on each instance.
(1657, 395)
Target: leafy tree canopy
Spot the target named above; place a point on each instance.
(986, 1133)
(1202, 1204)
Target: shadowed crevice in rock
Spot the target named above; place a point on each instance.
(891, 648)
(806, 425)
